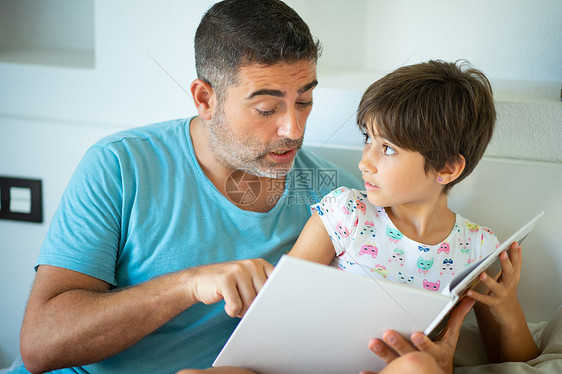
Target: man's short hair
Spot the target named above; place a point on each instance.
(440, 109)
(236, 33)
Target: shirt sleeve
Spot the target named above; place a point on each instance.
(84, 234)
(338, 212)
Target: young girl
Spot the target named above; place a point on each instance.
(426, 127)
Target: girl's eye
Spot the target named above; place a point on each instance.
(367, 138)
(388, 151)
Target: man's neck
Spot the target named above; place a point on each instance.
(246, 191)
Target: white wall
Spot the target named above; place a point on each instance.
(507, 39)
(517, 44)
(144, 64)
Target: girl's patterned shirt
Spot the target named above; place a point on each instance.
(367, 242)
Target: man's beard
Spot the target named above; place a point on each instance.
(249, 155)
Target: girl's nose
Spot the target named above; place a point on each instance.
(366, 165)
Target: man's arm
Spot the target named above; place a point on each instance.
(73, 319)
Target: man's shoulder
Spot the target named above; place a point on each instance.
(145, 132)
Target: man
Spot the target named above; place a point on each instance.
(159, 225)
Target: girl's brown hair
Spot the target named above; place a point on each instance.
(442, 110)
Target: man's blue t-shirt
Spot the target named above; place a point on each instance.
(139, 206)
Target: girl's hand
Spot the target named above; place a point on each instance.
(413, 362)
(502, 298)
(217, 370)
(393, 345)
(500, 316)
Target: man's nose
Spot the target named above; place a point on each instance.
(292, 126)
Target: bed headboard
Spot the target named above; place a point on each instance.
(504, 194)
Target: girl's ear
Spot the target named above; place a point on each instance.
(451, 171)
(204, 98)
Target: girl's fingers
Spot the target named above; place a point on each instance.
(456, 319)
(379, 348)
(423, 343)
(515, 257)
(478, 297)
(397, 342)
(507, 266)
(486, 298)
(494, 286)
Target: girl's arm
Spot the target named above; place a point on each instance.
(314, 243)
(501, 320)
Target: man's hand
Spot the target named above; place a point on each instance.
(393, 345)
(67, 308)
(236, 282)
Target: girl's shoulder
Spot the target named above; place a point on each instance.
(342, 199)
(472, 227)
(346, 192)
(469, 231)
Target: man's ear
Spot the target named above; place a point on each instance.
(451, 171)
(204, 98)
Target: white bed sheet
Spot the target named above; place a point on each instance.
(470, 357)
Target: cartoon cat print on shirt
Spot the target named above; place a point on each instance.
(472, 227)
(368, 229)
(381, 269)
(464, 246)
(397, 256)
(424, 265)
(321, 208)
(405, 279)
(349, 207)
(369, 249)
(341, 230)
(393, 234)
(488, 230)
(432, 286)
(444, 247)
(361, 206)
(448, 267)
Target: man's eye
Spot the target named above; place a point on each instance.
(304, 104)
(387, 150)
(265, 113)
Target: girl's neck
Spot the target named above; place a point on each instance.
(429, 223)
